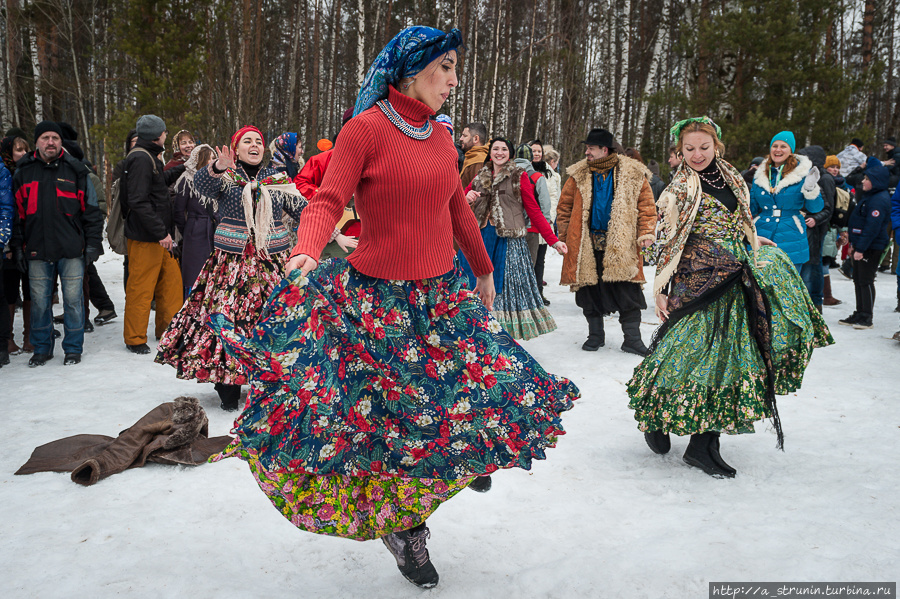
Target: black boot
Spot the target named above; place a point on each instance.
(717, 458)
(700, 455)
(481, 484)
(897, 309)
(230, 396)
(631, 328)
(658, 441)
(596, 337)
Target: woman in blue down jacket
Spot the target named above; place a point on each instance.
(785, 189)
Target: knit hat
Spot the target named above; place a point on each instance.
(44, 127)
(16, 132)
(323, 145)
(857, 142)
(524, 151)
(446, 122)
(787, 137)
(68, 130)
(757, 161)
(832, 161)
(891, 141)
(241, 133)
(149, 127)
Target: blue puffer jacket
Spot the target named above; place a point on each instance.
(871, 219)
(781, 212)
(6, 205)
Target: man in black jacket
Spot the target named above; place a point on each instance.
(57, 229)
(153, 272)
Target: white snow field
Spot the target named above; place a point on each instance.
(601, 517)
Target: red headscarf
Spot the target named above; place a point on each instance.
(242, 132)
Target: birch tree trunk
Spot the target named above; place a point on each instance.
(69, 20)
(38, 79)
(361, 44)
(524, 106)
(496, 56)
(662, 41)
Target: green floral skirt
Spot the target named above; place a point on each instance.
(707, 373)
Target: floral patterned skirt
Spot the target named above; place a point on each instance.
(236, 285)
(373, 401)
(707, 372)
(519, 306)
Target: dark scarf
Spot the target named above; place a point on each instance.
(541, 167)
(602, 165)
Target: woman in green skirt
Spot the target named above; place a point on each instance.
(738, 324)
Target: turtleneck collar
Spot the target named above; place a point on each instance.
(413, 111)
(251, 169)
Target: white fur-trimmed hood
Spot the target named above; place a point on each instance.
(804, 164)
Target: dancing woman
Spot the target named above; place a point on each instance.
(502, 198)
(249, 252)
(380, 384)
(739, 326)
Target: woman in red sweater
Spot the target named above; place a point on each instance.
(380, 384)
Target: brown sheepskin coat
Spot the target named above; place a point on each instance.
(172, 433)
(632, 220)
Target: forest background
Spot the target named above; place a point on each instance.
(548, 69)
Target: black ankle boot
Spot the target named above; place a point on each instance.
(717, 458)
(699, 455)
(230, 396)
(596, 337)
(658, 441)
(481, 484)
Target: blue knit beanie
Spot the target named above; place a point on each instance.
(787, 137)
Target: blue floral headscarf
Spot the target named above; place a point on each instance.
(405, 56)
(285, 148)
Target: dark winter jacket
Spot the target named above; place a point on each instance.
(146, 194)
(6, 205)
(815, 235)
(56, 209)
(871, 219)
(197, 225)
(895, 214)
(894, 169)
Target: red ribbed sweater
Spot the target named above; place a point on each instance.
(408, 195)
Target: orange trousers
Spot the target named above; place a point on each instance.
(152, 274)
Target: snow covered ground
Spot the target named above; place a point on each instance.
(602, 517)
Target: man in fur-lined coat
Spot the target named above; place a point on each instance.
(606, 215)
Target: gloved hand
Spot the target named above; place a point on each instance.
(19, 260)
(90, 255)
(811, 181)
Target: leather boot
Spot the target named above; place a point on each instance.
(716, 456)
(700, 454)
(11, 346)
(596, 336)
(829, 300)
(658, 441)
(631, 329)
(897, 309)
(26, 317)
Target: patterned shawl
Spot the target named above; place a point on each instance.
(186, 181)
(285, 149)
(405, 56)
(677, 208)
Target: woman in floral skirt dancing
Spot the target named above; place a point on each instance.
(380, 384)
(739, 326)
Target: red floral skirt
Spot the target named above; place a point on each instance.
(236, 285)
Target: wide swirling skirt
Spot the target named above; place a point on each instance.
(373, 401)
(519, 306)
(707, 372)
(236, 285)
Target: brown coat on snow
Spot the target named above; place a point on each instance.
(171, 433)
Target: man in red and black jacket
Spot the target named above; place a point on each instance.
(57, 230)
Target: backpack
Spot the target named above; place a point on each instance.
(843, 208)
(118, 210)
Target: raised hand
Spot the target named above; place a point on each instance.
(225, 159)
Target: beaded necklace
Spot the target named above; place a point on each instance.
(717, 178)
(394, 117)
